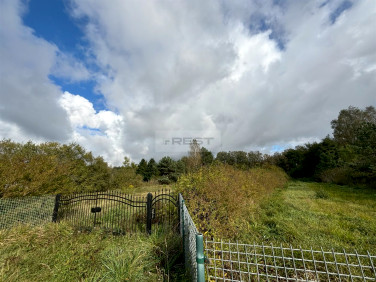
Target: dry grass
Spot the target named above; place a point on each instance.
(221, 197)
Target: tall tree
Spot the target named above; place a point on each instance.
(194, 156)
(206, 156)
(349, 121)
(141, 168)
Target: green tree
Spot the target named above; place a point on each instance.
(346, 126)
(126, 162)
(151, 170)
(166, 166)
(206, 156)
(141, 167)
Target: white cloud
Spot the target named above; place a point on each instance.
(197, 65)
(67, 67)
(99, 132)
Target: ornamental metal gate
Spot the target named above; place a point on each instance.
(118, 212)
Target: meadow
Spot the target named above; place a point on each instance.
(248, 205)
(262, 205)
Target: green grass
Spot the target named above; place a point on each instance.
(144, 190)
(56, 252)
(317, 215)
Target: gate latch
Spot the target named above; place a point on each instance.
(96, 209)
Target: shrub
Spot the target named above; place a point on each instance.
(218, 191)
(338, 175)
(164, 181)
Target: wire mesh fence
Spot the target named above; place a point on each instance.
(188, 231)
(250, 262)
(26, 210)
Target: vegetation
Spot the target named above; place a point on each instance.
(56, 252)
(257, 206)
(50, 168)
(221, 197)
(318, 215)
(348, 158)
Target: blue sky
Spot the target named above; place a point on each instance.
(51, 20)
(260, 75)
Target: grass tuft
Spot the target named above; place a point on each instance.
(57, 252)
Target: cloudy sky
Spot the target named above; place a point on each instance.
(112, 75)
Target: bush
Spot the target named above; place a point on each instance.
(338, 175)
(218, 191)
(164, 181)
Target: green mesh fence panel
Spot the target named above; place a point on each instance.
(26, 210)
(188, 231)
(229, 261)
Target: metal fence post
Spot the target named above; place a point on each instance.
(182, 224)
(56, 208)
(200, 258)
(149, 212)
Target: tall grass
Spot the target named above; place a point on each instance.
(221, 197)
(318, 215)
(57, 252)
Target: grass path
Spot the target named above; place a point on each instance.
(318, 214)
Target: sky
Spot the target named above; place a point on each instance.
(139, 78)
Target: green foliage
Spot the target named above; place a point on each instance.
(142, 169)
(349, 158)
(125, 178)
(170, 170)
(50, 168)
(242, 159)
(31, 169)
(349, 121)
(56, 252)
(207, 157)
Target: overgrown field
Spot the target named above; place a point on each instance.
(56, 252)
(318, 215)
(221, 197)
(260, 205)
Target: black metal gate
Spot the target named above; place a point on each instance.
(117, 212)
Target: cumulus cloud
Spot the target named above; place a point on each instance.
(265, 74)
(28, 98)
(99, 132)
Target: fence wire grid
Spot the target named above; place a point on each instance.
(26, 210)
(250, 262)
(188, 231)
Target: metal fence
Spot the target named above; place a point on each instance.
(192, 244)
(117, 212)
(229, 261)
(26, 210)
(250, 262)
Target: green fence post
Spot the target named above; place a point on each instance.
(200, 258)
(183, 227)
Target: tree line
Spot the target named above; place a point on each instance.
(349, 157)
